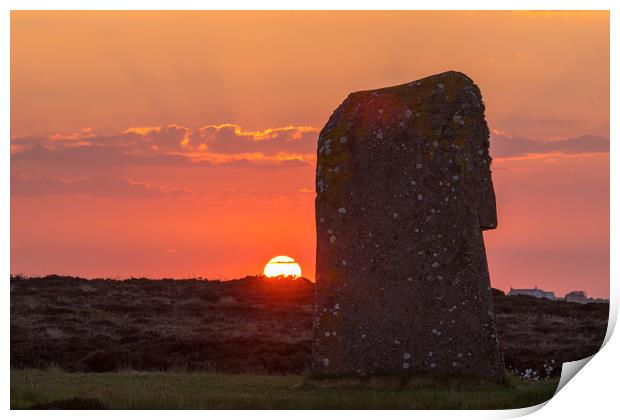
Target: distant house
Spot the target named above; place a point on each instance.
(535, 292)
(579, 296)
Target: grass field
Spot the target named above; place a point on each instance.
(141, 390)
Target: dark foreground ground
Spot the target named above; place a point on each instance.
(253, 325)
(93, 344)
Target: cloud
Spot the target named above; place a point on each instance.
(102, 186)
(172, 137)
(504, 145)
(224, 144)
(98, 157)
(83, 133)
(232, 139)
(265, 164)
(103, 158)
(232, 146)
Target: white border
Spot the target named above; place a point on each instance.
(591, 395)
(310, 5)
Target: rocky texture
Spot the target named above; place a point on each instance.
(404, 190)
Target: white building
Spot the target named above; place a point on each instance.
(535, 292)
(577, 296)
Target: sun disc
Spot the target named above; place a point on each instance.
(282, 266)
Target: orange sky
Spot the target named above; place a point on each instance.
(182, 143)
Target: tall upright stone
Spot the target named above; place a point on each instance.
(404, 192)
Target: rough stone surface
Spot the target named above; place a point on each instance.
(404, 190)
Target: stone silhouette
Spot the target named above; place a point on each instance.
(404, 190)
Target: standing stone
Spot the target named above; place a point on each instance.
(404, 190)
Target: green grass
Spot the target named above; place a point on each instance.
(150, 390)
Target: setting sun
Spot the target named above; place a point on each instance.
(282, 266)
